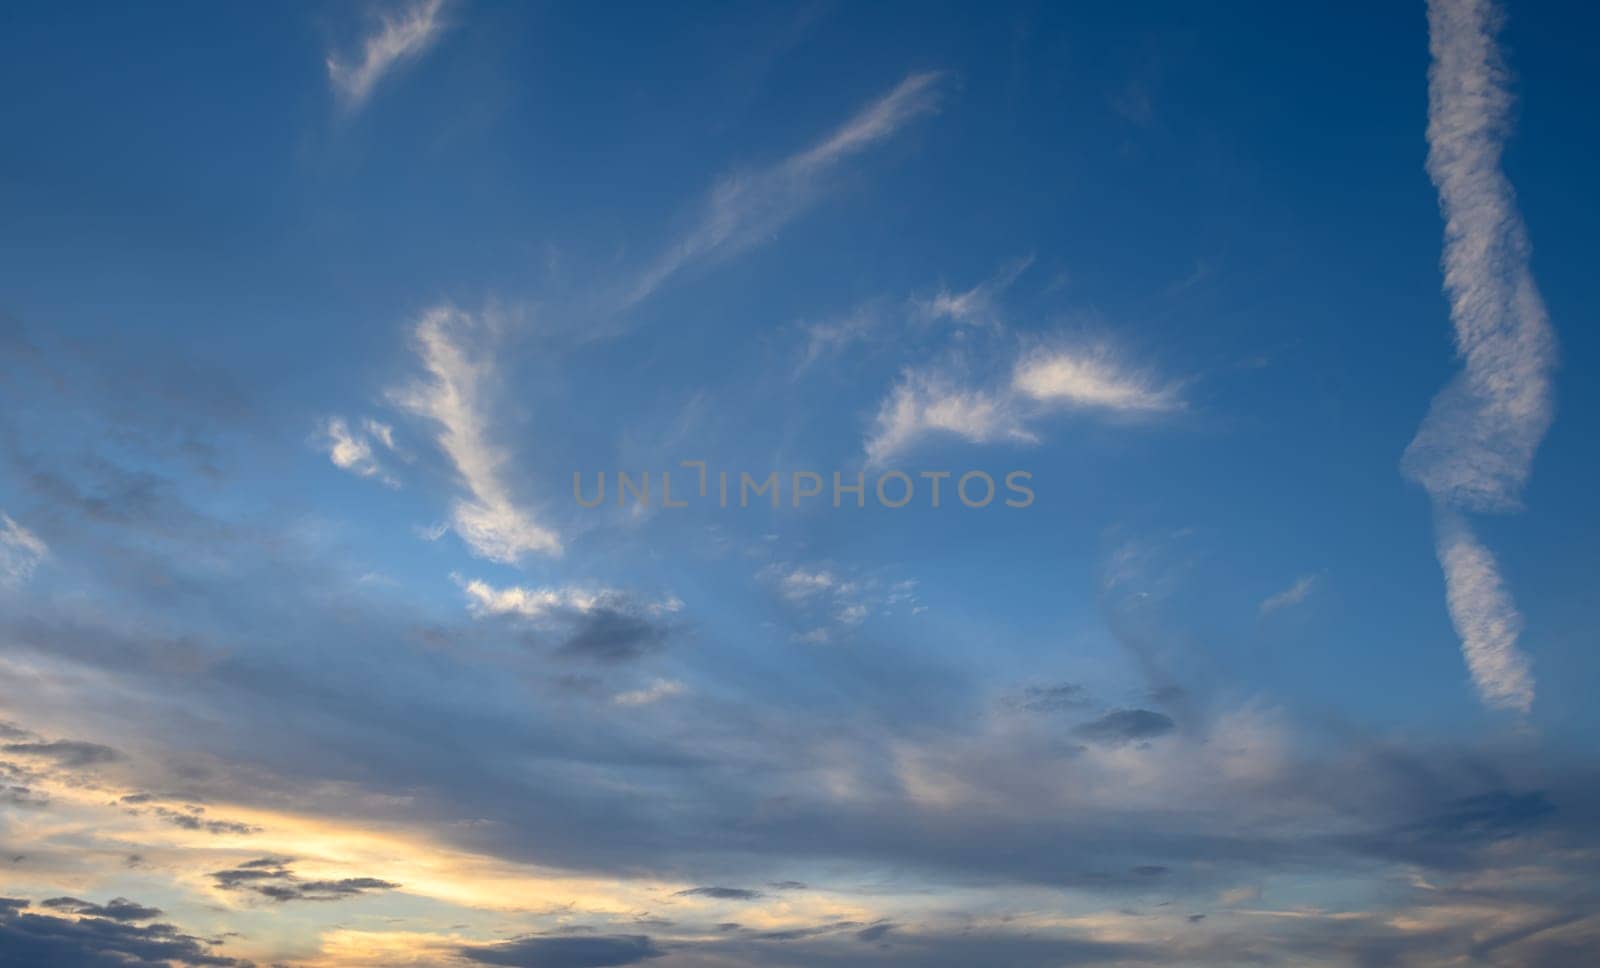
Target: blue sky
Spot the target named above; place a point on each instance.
(309, 316)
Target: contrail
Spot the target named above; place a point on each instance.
(1475, 449)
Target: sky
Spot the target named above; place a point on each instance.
(820, 484)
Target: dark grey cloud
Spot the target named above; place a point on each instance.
(44, 941)
(1050, 699)
(192, 819)
(116, 909)
(889, 945)
(875, 932)
(272, 878)
(1126, 725)
(598, 951)
(68, 753)
(612, 635)
(722, 893)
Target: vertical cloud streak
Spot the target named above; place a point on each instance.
(487, 517)
(1484, 616)
(1474, 451)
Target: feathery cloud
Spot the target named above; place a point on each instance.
(399, 37)
(1474, 450)
(1289, 597)
(454, 395)
(975, 306)
(20, 551)
(1089, 380)
(746, 207)
(926, 403)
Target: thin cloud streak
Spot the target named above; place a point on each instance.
(1289, 597)
(487, 518)
(1475, 449)
(744, 208)
(20, 551)
(398, 38)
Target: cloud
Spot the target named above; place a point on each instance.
(1049, 699)
(1475, 449)
(801, 584)
(400, 36)
(1484, 617)
(830, 337)
(927, 403)
(600, 624)
(460, 377)
(1089, 380)
(97, 942)
(68, 753)
(655, 692)
(1289, 597)
(975, 306)
(1044, 381)
(353, 450)
(722, 893)
(117, 909)
(20, 551)
(1126, 725)
(589, 951)
(747, 207)
(271, 878)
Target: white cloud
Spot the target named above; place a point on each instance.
(925, 403)
(399, 37)
(352, 450)
(800, 584)
(1291, 596)
(852, 614)
(381, 432)
(484, 600)
(831, 336)
(975, 306)
(746, 207)
(454, 396)
(1485, 618)
(1474, 451)
(1089, 380)
(20, 551)
(655, 692)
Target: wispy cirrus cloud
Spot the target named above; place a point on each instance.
(1048, 380)
(1090, 380)
(745, 207)
(1289, 597)
(1474, 451)
(460, 374)
(20, 551)
(401, 35)
(926, 403)
(976, 306)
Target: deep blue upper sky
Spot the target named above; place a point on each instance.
(309, 314)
